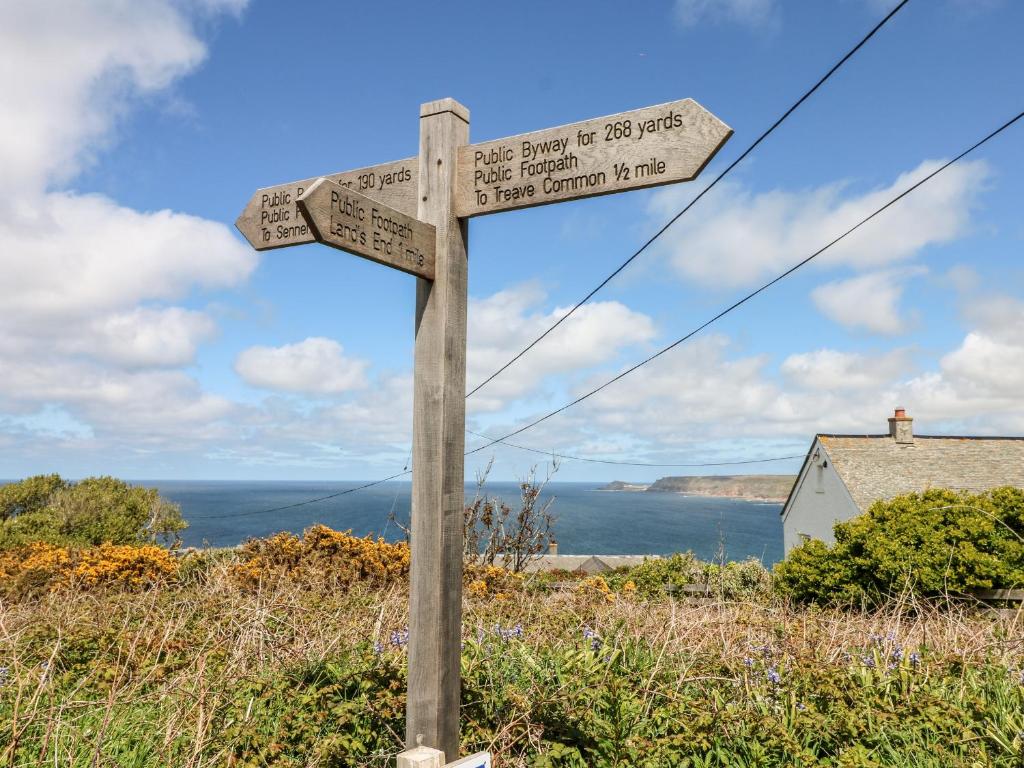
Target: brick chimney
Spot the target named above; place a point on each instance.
(901, 427)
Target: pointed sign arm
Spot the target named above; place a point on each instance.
(350, 221)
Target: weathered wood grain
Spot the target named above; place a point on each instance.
(271, 218)
(630, 150)
(353, 222)
(439, 416)
(421, 757)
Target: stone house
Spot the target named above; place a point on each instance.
(843, 475)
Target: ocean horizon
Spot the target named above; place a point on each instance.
(587, 520)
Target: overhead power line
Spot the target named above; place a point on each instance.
(302, 503)
(632, 463)
(764, 287)
(661, 352)
(807, 94)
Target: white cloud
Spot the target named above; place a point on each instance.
(90, 335)
(989, 363)
(507, 321)
(69, 70)
(741, 236)
(829, 369)
(314, 366)
(869, 302)
(754, 13)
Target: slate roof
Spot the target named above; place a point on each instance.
(586, 563)
(877, 467)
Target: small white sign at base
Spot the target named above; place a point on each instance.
(479, 760)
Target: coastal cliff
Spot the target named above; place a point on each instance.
(753, 487)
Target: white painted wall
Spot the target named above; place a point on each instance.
(818, 502)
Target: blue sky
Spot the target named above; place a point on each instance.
(142, 337)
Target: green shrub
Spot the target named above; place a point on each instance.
(655, 578)
(91, 512)
(933, 543)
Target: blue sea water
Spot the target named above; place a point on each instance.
(588, 521)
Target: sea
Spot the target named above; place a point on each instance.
(588, 521)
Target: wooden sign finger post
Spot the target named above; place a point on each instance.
(413, 215)
(438, 442)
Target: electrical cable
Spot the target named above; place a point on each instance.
(301, 503)
(764, 287)
(635, 463)
(693, 202)
(661, 352)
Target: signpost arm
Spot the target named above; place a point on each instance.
(435, 602)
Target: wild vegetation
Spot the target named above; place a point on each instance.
(97, 510)
(291, 651)
(932, 544)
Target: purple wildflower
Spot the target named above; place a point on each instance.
(748, 662)
(869, 661)
(897, 655)
(915, 659)
(773, 676)
(400, 638)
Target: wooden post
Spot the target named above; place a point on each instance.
(421, 757)
(439, 415)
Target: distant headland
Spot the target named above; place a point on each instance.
(752, 487)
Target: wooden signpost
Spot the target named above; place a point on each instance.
(413, 215)
(271, 218)
(353, 222)
(631, 150)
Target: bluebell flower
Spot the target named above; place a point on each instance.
(897, 655)
(400, 638)
(378, 647)
(748, 662)
(915, 659)
(801, 706)
(588, 633)
(869, 661)
(773, 676)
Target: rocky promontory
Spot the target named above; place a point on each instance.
(752, 487)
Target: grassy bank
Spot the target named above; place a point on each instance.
(214, 667)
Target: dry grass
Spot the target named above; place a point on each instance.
(90, 673)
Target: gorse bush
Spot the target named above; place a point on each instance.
(321, 555)
(91, 512)
(492, 581)
(931, 544)
(201, 670)
(39, 567)
(656, 578)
